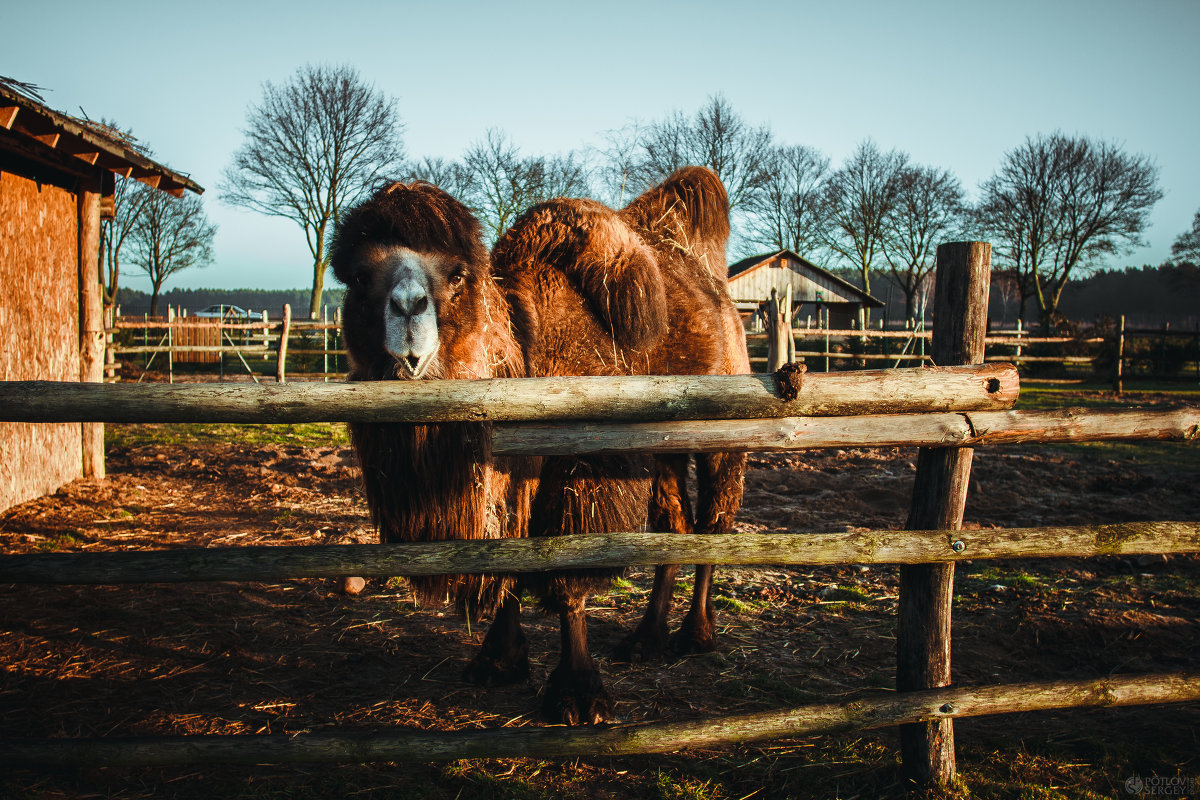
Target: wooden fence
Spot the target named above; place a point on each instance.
(945, 411)
(1121, 355)
(179, 339)
(1118, 355)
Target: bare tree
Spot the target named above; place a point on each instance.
(859, 199)
(313, 146)
(502, 182)
(170, 236)
(787, 211)
(129, 196)
(928, 210)
(618, 164)
(451, 176)
(1063, 204)
(716, 137)
(1187, 247)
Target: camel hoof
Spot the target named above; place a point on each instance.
(697, 634)
(644, 644)
(490, 671)
(685, 643)
(576, 698)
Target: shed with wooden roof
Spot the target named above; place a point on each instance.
(815, 290)
(57, 180)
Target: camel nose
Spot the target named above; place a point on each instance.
(409, 300)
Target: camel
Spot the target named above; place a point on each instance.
(573, 288)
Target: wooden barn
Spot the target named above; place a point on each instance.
(57, 177)
(815, 291)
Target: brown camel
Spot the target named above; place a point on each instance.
(574, 288)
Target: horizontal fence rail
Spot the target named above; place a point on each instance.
(628, 739)
(984, 387)
(950, 429)
(597, 550)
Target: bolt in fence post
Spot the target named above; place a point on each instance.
(285, 329)
(939, 499)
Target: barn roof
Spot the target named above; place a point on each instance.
(30, 130)
(747, 265)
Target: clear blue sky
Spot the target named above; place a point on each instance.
(954, 84)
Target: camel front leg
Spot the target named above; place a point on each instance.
(575, 694)
(670, 511)
(503, 657)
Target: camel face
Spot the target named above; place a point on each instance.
(410, 326)
(409, 290)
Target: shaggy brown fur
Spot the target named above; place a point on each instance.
(575, 289)
(433, 482)
(558, 248)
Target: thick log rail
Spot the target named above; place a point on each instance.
(659, 737)
(641, 397)
(949, 408)
(597, 550)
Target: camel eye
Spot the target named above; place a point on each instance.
(362, 279)
(456, 280)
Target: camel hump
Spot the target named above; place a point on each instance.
(604, 259)
(690, 209)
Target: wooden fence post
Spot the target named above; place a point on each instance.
(777, 350)
(266, 338)
(91, 326)
(939, 499)
(170, 344)
(1118, 381)
(280, 368)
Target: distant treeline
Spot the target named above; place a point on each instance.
(1147, 296)
(257, 300)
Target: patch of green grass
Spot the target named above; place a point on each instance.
(1173, 455)
(302, 434)
(735, 604)
(848, 594)
(1006, 576)
(670, 786)
(1046, 397)
(62, 541)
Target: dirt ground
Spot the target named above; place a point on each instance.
(299, 656)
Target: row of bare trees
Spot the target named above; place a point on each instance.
(1056, 206)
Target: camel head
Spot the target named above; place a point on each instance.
(414, 265)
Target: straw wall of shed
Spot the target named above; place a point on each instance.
(39, 329)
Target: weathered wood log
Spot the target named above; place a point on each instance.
(992, 387)
(939, 498)
(954, 429)
(598, 550)
(876, 711)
